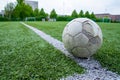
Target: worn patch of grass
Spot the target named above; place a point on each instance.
(108, 55)
(25, 56)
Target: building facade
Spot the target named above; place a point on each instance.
(115, 17)
(2, 13)
(109, 16)
(33, 4)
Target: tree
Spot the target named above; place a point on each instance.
(26, 11)
(87, 14)
(81, 14)
(92, 16)
(53, 14)
(74, 14)
(20, 1)
(22, 11)
(9, 10)
(36, 12)
(42, 13)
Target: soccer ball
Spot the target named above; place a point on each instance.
(82, 37)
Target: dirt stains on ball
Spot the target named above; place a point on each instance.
(82, 37)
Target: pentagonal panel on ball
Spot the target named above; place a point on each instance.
(68, 42)
(81, 52)
(96, 40)
(74, 28)
(92, 48)
(94, 44)
(80, 40)
(88, 27)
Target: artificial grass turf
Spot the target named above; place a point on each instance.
(54, 29)
(25, 56)
(108, 55)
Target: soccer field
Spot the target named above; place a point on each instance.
(26, 56)
(108, 55)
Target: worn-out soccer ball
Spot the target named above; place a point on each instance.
(82, 37)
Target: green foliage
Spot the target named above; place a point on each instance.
(92, 16)
(64, 18)
(9, 10)
(42, 13)
(53, 14)
(26, 56)
(108, 55)
(36, 12)
(19, 2)
(74, 14)
(87, 14)
(61, 18)
(22, 11)
(81, 14)
(105, 19)
(3, 18)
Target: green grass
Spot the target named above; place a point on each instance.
(25, 56)
(55, 29)
(108, 55)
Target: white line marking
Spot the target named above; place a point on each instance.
(94, 71)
